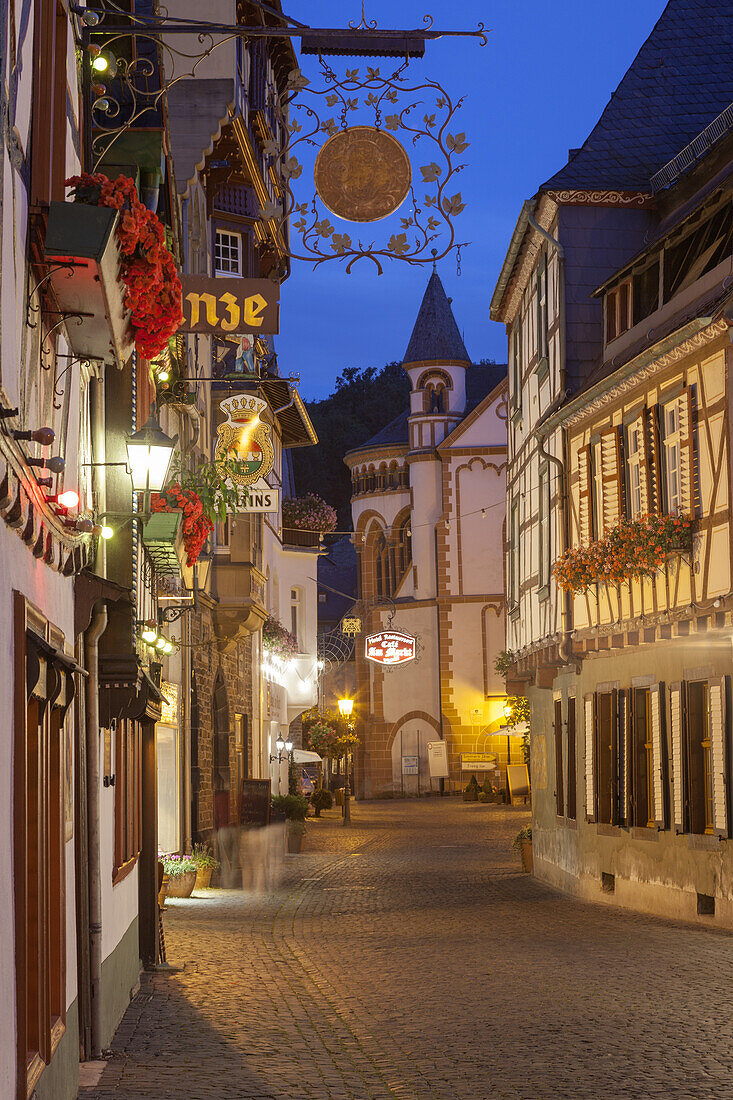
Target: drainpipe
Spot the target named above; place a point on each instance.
(96, 628)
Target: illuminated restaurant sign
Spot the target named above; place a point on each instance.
(390, 647)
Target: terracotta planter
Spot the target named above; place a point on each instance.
(527, 856)
(182, 885)
(295, 842)
(203, 878)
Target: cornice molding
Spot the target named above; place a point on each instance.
(601, 198)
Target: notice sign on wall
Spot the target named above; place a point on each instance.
(229, 306)
(390, 647)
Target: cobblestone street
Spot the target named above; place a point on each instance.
(409, 957)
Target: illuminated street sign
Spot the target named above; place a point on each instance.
(390, 647)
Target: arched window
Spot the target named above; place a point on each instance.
(381, 566)
(382, 478)
(404, 477)
(402, 548)
(393, 479)
(370, 480)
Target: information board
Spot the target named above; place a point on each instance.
(410, 765)
(438, 759)
(254, 802)
(478, 761)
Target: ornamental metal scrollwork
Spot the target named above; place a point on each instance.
(427, 233)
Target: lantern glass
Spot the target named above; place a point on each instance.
(149, 455)
(280, 744)
(345, 707)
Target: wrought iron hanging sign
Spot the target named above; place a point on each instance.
(362, 125)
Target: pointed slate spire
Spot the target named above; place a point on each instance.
(435, 337)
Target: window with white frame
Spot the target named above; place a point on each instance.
(672, 456)
(543, 528)
(228, 253)
(635, 450)
(295, 614)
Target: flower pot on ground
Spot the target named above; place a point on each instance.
(295, 833)
(523, 844)
(181, 871)
(471, 790)
(206, 864)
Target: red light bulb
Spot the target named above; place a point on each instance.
(69, 499)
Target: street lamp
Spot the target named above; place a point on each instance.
(346, 706)
(149, 454)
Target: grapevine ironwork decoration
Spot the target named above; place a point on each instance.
(427, 233)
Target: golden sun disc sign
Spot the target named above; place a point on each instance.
(363, 174)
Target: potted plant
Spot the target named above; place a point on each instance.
(321, 800)
(295, 807)
(470, 791)
(181, 871)
(523, 844)
(206, 864)
(277, 641)
(306, 519)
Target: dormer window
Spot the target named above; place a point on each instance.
(618, 310)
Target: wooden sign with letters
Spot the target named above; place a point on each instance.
(227, 306)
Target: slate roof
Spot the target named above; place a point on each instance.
(435, 335)
(680, 80)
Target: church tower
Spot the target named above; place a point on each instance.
(436, 361)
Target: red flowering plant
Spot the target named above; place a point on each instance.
(196, 526)
(152, 286)
(309, 513)
(635, 548)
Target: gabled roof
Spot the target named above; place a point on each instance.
(680, 80)
(435, 336)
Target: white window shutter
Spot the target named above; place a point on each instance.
(612, 477)
(718, 741)
(687, 453)
(675, 722)
(585, 525)
(590, 802)
(655, 698)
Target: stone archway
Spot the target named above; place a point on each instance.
(409, 736)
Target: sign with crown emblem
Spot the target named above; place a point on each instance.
(245, 438)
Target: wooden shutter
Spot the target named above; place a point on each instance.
(612, 478)
(655, 704)
(590, 799)
(676, 775)
(654, 436)
(622, 755)
(687, 452)
(718, 744)
(645, 486)
(585, 519)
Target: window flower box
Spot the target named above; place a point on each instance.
(306, 519)
(632, 550)
(84, 238)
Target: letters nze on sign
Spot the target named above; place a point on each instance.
(390, 647)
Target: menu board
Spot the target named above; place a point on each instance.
(254, 802)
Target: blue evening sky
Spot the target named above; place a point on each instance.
(534, 91)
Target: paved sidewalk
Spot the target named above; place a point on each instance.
(408, 957)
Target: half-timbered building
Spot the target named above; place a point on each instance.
(621, 433)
